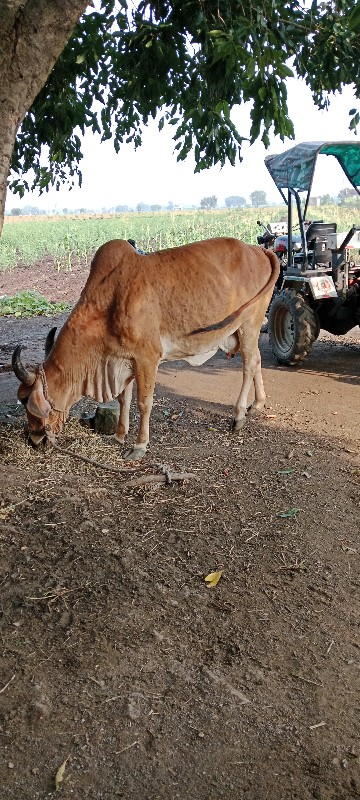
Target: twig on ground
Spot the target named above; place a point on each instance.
(160, 478)
(7, 684)
(318, 725)
(296, 567)
(307, 680)
(127, 748)
(110, 699)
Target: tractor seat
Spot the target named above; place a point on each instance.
(316, 237)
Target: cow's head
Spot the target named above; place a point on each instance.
(43, 419)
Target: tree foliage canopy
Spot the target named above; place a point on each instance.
(234, 201)
(193, 62)
(258, 198)
(208, 203)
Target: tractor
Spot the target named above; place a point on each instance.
(319, 284)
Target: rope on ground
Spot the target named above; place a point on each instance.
(93, 462)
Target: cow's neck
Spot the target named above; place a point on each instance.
(64, 388)
(78, 366)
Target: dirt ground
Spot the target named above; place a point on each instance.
(116, 658)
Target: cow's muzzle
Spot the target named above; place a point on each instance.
(37, 439)
(34, 438)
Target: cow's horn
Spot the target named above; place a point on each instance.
(49, 342)
(22, 374)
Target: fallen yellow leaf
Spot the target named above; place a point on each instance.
(60, 774)
(212, 579)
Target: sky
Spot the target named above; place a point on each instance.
(151, 174)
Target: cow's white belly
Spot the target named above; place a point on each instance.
(200, 358)
(172, 351)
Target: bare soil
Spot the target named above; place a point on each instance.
(116, 657)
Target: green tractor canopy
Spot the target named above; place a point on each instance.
(294, 169)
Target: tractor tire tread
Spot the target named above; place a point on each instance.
(307, 327)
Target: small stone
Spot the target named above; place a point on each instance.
(65, 619)
(40, 710)
(133, 711)
(11, 765)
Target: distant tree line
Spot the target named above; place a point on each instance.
(347, 196)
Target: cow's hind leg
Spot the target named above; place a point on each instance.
(124, 401)
(145, 374)
(248, 345)
(260, 395)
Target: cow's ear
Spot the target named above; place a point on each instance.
(37, 405)
(23, 392)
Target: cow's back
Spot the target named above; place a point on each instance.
(176, 289)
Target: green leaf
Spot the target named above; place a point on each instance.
(284, 71)
(287, 471)
(29, 304)
(216, 34)
(292, 512)
(354, 18)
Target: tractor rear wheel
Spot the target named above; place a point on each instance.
(293, 327)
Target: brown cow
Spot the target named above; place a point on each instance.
(136, 311)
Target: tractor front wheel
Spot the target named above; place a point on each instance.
(293, 327)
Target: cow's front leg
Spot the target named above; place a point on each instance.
(145, 374)
(124, 401)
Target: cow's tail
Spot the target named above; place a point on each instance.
(275, 272)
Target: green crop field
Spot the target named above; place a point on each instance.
(67, 240)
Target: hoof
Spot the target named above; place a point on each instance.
(237, 425)
(112, 439)
(134, 454)
(118, 439)
(254, 412)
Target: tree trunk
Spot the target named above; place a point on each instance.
(33, 36)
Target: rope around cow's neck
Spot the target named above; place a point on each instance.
(44, 382)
